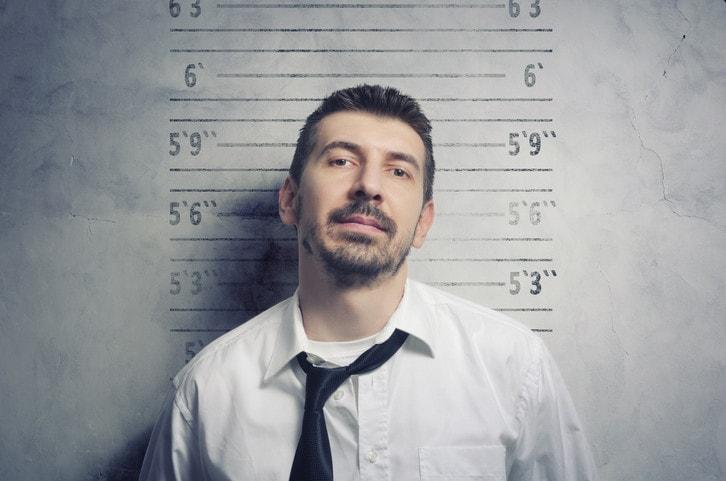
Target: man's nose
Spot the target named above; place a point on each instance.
(368, 183)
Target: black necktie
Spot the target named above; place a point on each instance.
(313, 461)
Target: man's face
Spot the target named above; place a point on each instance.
(359, 206)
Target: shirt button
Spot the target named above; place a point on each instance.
(338, 395)
(372, 456)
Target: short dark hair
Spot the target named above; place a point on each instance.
(374, 99)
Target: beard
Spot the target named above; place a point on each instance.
(359, 259)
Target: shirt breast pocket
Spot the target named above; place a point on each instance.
(462, 463)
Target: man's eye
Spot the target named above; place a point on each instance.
(340, 162)
(399, 172)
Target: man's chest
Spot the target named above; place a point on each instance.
(384, 425)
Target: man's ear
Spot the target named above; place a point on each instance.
(286, 201)
(425, 220)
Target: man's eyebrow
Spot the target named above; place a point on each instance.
(356, 149)
(341, 144)
(409, 159)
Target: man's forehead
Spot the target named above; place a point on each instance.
(368, 130)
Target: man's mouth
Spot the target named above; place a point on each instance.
(360, 216)
(361, 220)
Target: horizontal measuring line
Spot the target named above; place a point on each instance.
(292, 239)
(275, 190)
(256, 144)
(200, 330)
(311, 99)
(488, 120)
(265, 169)
(236, 120)
(292, 144)
(478, 259)
(470, 214)
(361, 75)
(360, 50)
(250, 215)
(234, 239)
(482, 169)
(523, 309)
(186, 330)
(470, 144)
(468, 190)
(204, 169)
(223, 144)
(227, 259)
(360, 5)
(493, 190)
(491, 239)
(467, 284)
(429, 259)
(223, 190)
(343, 30)
(210, 309)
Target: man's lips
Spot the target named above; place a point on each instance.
(363, 220)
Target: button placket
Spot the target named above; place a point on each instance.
(373, 425)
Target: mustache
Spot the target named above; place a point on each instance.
(365, 208)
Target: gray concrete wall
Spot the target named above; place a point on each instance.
(104, 295)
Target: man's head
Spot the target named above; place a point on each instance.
(357, 190)
(376, 100)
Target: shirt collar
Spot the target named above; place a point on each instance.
(413, 315)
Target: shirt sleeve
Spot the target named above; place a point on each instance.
(551, 445)
(173, 451)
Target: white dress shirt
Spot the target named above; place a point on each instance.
(471, 395)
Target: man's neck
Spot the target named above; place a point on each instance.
(333, 313)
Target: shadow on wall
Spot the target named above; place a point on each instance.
(260, 270)
(126, 464)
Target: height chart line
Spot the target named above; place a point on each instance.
(360, 30)
(499, 105)
(363, 5)
(314, 99)
(359, 50)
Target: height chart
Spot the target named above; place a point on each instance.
(244, 77)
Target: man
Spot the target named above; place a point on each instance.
(363, 373)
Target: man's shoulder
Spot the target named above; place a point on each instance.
(244, 344)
